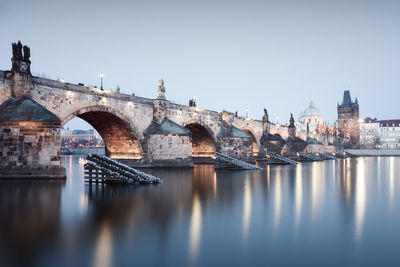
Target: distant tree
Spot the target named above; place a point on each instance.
(118, 90)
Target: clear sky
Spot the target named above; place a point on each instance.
(232, 55)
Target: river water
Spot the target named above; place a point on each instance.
(331, 213)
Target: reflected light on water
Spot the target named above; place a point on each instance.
(104, 247)
(278, 197)
(298, 194)
(195, 229)
(348, 180)
(360, 198)
(189, 220)
(379, 171)
(70, 172)
(83, 203)
(246, 208)
(317, 190)
(391, 181)
(215, 184)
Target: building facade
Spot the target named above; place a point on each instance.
(348, 125)
(80, 138)
(389, 134)
(369, 133)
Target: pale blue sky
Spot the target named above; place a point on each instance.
(232, 54)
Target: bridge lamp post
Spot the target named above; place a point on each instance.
(247, 112)
(101, 78)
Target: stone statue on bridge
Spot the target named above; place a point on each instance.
(161, 84)
(17, 51)
(161, 90)
(27, 53)
(265, 118)
(291, 121)
(21, 63)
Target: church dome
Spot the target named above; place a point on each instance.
(311, 111)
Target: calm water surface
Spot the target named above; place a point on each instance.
(332, 213)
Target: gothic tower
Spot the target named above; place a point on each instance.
(348, 115)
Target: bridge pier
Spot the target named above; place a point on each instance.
(294, 144)
(167, 144)
(233, 142)
(29, 140)
(269, 142)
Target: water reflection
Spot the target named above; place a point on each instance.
(29, 218)
(317, 189)
(391, 182)
(195, 229)
(246, 207)
(283, 215)
(298, 195)
(104, 247)
(278, 197)
(360, 199)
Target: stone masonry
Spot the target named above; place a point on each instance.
(122, 120)
(29, 140)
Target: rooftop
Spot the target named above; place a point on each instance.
(166, 127)
(25, 109)
(389, 123)
(311, 111)
(347, 100)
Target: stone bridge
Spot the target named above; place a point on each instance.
(154, 131)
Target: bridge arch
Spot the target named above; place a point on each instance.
(255, 144)
(203, 142)
(118, 132)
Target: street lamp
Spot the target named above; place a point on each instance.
(101, 78)
(247, 112)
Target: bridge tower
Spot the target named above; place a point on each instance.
(348, 115)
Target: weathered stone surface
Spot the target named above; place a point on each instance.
(295, 145)
(32, 172)
(233, 142)
(167, 141)
(168, 147)
(271, 143)
(29, 144)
